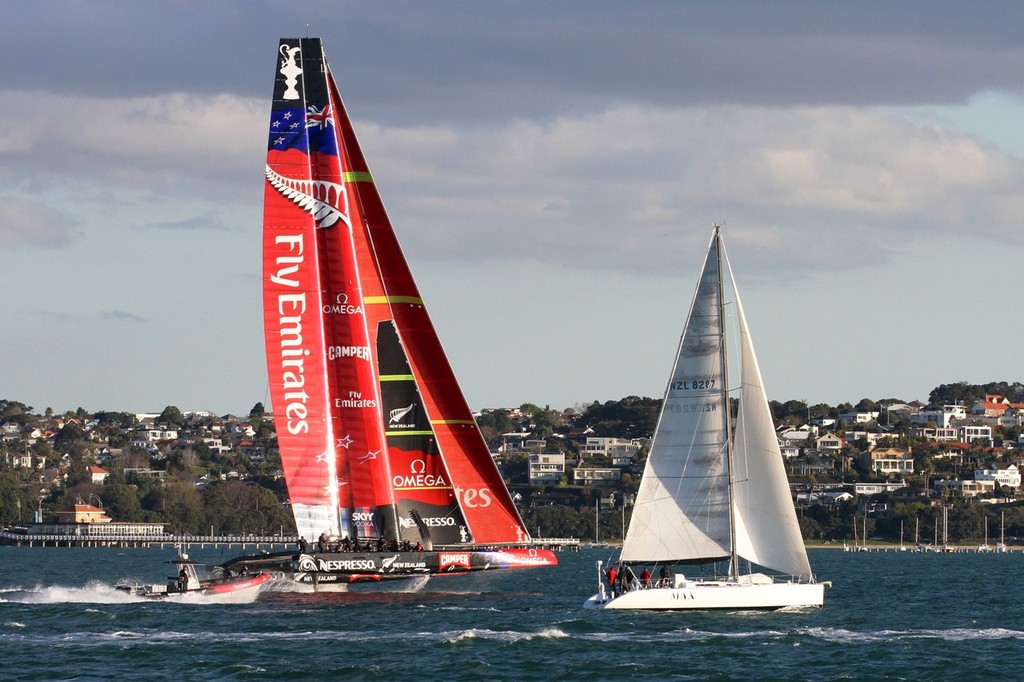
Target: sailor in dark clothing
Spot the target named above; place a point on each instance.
(666, 577)
(322, 542)
(303, 546)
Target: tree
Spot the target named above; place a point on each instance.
(171, 416)
(631, 417)
(867, 405)
(15, 502)
(121, 502)
(183, 508)
(68, 437)
(559, 521)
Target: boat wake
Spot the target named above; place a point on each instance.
(100, 593)
(91, 593)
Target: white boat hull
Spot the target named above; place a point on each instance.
(706, 595)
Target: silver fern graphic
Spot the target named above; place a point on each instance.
(396, 415)
(325, 201)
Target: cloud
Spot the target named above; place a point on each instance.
(157, 144)
(205, 222)
(24, 222)
(633, 188)
(122, 316)
(627, 188)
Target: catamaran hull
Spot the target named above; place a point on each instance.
(715, 595)
(323, 570)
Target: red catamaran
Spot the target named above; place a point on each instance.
(378, 445)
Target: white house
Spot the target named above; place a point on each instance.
(941, 415)
(970, 433)
(596, 476)
(99, 474)
(870, 437)
(1000, 473)
(609, 447)
(967, 488)
(934, 433)
(875, 488)
(547, 467)
(857, 417)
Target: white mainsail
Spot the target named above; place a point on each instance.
(682, 512)
(682, 507)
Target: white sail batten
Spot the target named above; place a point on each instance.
(681, 512)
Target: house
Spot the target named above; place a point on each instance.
(1001, 473)
(1011, 418)
(892, 461)
(972, 433)
(609, 447)
(933, 433)
(857, 417)
(869, 437)
(992, 405)
(18, 461)
(514, 442)
(789, 451)
(876, 488)
(82, 513)
(940, 415)
(898, 411)
(598, 476)
(547, 467)
(830, 444)
(99, 474)
(815, 467)
(967, 488)
(145, 473)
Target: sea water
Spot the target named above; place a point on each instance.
(901, 616)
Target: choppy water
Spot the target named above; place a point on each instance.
(888, 616)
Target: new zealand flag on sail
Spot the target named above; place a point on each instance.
(307, 130)
(301, 117)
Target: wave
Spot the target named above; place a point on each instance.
(841, 635)
(502, 635)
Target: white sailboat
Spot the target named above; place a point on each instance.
(714, 488)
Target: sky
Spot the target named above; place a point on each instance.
(553, 170)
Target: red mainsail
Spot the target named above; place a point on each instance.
(371, 422)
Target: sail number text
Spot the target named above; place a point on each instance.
(695, 385)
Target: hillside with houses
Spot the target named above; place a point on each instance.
(877, 468)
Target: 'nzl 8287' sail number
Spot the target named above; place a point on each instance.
(696, 385)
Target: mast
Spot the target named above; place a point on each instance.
(727, 416)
